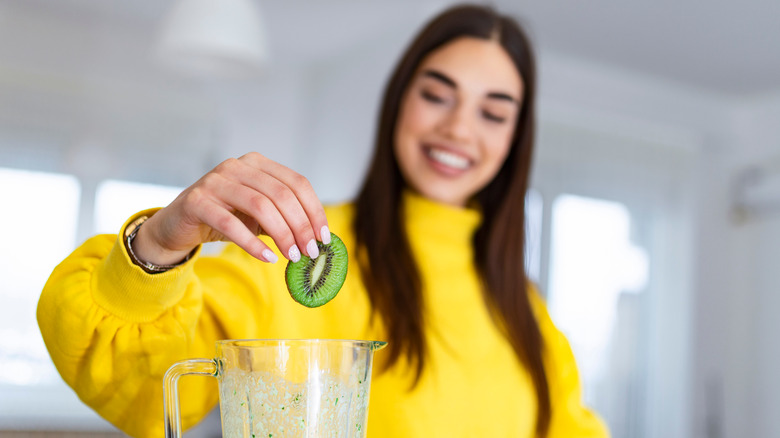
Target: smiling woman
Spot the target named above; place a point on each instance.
(437, 233)
(457, 119)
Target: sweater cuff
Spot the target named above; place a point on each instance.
(127, 291)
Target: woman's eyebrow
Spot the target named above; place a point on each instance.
(441, 77)
(502, 96)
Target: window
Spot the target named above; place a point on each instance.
(39, 230)
(116, 201)
(593, 265)
(614, 269)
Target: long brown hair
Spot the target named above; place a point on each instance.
(384, 255)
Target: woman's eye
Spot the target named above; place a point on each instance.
(492, 117)
(430, 97)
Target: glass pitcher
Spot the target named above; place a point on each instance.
(283, 388)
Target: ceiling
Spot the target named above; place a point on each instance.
(723, 46)
(726, 46)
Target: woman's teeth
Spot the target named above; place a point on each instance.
(449, 159)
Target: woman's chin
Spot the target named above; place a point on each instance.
(443, 195)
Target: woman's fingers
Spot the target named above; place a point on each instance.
(241, 197)
(300, 187)
(226, 223)
(264, 212)
(246, 172)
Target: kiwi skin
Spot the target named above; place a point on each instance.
(330, 281)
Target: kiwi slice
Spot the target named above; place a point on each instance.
(314, 282)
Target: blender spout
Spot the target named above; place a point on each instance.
(378, 345)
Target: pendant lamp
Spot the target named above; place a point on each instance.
(220, 39)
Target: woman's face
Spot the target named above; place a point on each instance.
(457, 119)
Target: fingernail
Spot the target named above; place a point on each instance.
(294, 253)
(325, 234)
(311, 249)
(269, 256)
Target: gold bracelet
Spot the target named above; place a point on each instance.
(130, 233)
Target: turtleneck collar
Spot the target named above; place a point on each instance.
(432, 218)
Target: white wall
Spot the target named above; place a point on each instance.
(756, 250)
(734, 355)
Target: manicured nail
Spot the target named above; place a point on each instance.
(294, 253)
(269, 256)
(311, 249)
(325, 235)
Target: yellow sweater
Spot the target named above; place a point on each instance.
(112, 331)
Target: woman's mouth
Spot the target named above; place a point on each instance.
(446, 161)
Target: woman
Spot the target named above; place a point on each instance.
(437, 231)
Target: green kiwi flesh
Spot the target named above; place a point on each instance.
(314, 282)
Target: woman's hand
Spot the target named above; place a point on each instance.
(236, 201)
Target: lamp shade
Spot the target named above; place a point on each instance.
(222, 39)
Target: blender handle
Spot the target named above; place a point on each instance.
(202, 367)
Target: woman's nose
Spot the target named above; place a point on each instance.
(459, 124)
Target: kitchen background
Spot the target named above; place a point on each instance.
(654, 215)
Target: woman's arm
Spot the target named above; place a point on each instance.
(113, 329)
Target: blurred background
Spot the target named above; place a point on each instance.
(653, 220)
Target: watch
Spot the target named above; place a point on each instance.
(130, 233)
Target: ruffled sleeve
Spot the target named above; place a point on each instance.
(113, 330)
